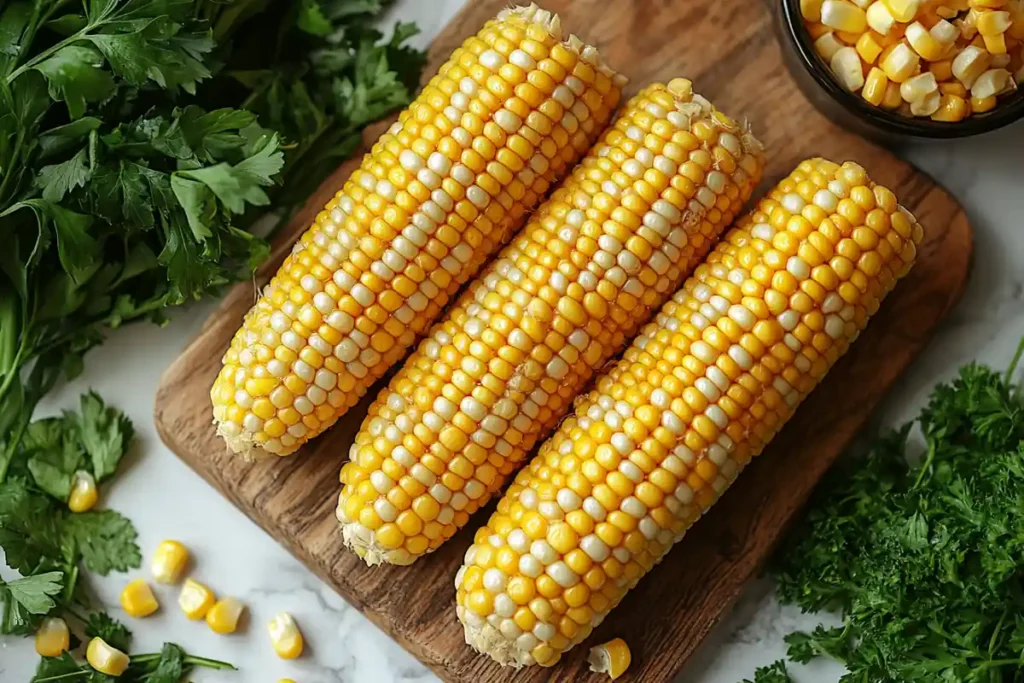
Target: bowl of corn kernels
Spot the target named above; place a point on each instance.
(908, 68)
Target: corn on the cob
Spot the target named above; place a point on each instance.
(591, 267)
(696, 396)
(512, 110)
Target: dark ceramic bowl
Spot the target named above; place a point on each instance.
(848, 110)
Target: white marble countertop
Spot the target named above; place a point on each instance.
(167, 500)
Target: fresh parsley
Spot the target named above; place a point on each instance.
(920, 545)
(773, 673)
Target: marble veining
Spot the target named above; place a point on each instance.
(166, 500)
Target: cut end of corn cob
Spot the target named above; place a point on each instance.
(509, 114)
(491, 380)
(698, 393)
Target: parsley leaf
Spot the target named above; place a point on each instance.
(102, 625)
(920, 544)
(773, 673)
(106, 434)
(25, 599)
(105, 539)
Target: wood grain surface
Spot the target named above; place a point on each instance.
(729, 50)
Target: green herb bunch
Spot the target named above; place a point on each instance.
(925, 561)
(139, 142)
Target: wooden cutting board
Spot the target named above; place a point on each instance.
(729, 50)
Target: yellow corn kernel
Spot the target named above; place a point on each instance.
(917, 88)
(875, 86)
(53, 637)
(893, 99)
(106, 659)
(951, 109)
(843, 16)
(996, 45)
(991, 83)
(83, 493)
(927, 105)
(980, 105)
(195, 599)
(827, 45)
(462, 169)
(224, 615)
(944, 33)
(285, 636)
(137, 599)
(993, 23)
(988, 4)
(903, 11)
(868, 47)
(879, 18)
(848, 69)
(811, 10)
(170, 560)
(447, 425)
(954, 88)
(943, 69)
(924, 43)
(776, 348)
(612, 658)
(901, 63)
(285, 680)
(969, 64)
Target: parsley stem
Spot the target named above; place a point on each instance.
(48, 52)
(1013, 364)
(926, 466)
(61, 677)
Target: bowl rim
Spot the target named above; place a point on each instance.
(1009, 111)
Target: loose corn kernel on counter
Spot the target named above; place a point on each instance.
(509, 114)
(699, 393)
(492, 380)
(940, 59)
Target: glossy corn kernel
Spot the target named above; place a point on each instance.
(879, 18)
(827, 45)
(875, 86)
(811, 10)
(507, 116)
(285, 680)
(900, 64)
(195, 599)
(170, 560)
(903, 11)
(106, 659)
(981, 105)
(612, 658)
(843, 16)
(927, 105)
(696, 396)
(848, 70)
(893, 99)
(223, 617)
(970, 64)
(991, 83)
(137, 599)
(924, 43)
(285, 636)
(920, 86)
(951, 109)
(84, 494)
(868, 47)
(52, 637)
(496, 375)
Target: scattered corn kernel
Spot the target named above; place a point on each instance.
(980, 105)
(912, 42)
(53, 637)
(612, 658)
(169, 562)
(83, 492)
(137, 599)
(223, 617)
(195, 599)
(285, 636)
(106, 659)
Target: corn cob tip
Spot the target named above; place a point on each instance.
(487, 640)
(238, 442)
